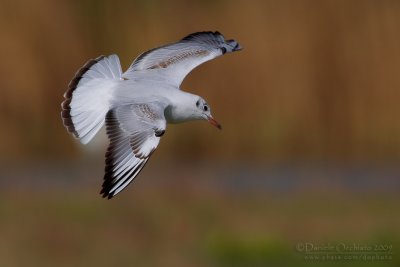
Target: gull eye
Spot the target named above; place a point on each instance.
(205, 108)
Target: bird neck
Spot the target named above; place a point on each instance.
(182, 108)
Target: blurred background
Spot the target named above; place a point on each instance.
(308, 153)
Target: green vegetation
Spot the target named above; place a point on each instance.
(192, 228)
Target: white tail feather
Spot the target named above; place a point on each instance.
(87, 100)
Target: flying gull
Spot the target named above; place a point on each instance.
(136, 105)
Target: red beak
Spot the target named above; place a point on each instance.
(214, 122)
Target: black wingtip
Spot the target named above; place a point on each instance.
(105, 191)
(104, 194)
(234, 45)
(216, 39)
(238, 47)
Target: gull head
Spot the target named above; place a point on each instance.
(189, 107)
(203, 112)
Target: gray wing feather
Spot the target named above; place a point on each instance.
(174, 61)
(133, 131)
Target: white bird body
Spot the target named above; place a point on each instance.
(136, 105)
(179, 104)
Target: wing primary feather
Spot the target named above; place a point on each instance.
(132, 132)
(127, 182)
(172, 62)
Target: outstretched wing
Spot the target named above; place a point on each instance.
(134, 132)
(173, 62)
